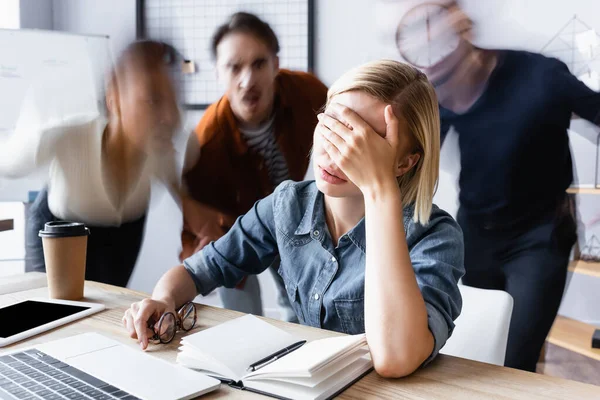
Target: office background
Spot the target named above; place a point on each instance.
(347, 33)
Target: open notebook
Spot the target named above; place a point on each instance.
(317, 370)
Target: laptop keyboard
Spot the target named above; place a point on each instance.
(34, 375)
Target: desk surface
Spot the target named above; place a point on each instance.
(446, 378)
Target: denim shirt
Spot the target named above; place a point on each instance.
(326, 284)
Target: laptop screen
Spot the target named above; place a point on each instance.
(30, 314)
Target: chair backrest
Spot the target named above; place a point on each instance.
(481, 330)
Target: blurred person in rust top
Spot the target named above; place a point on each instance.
(249, 141)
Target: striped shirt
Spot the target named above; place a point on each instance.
(262, 141)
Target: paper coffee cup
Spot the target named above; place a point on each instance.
(65, 247)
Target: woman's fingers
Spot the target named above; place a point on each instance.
(347, 117)
(336, 126)
(391, 127)
(332, 151)
(147, 309)
(332, 137)
(128, 324)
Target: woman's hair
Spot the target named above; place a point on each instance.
(145, 55)
(138, 57)
(244, 22)
(413, 98)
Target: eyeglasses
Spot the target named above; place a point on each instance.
(169, 323)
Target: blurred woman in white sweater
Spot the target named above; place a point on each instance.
(101, 167)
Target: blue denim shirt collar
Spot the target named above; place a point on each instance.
(309, 220)
(314, 220)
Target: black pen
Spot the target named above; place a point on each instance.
(275, 356)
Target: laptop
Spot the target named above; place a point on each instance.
(93, 366)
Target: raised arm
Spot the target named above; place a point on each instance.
(31, 147)
(24, 151)
(407, 317)
(411, 298)
(580, 99)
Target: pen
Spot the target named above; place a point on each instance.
(275, 356)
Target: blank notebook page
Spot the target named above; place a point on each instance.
(240, 342)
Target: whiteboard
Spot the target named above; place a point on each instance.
(188, 26)
(45, 75)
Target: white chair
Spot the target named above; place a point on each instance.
(481, 330)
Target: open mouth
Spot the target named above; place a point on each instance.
(251, 99)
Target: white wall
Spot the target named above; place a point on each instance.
(26, 14)
(345, 36)
(115, 18)
(9, 14)
(36, 14)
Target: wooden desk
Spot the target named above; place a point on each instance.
(6, 225)
(446, 378)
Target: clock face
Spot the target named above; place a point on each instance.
(426, 35)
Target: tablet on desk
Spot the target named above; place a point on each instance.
(33, 316)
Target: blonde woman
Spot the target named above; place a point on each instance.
(362, 247)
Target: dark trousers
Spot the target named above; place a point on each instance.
(529, 261)
(111, 251)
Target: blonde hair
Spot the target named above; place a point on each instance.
(413, 98)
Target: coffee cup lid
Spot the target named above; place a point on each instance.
(60, 229)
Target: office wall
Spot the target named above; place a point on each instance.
(115, 18)
(36, 14)
(349, 32)
(26, 14)
(9, 14)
